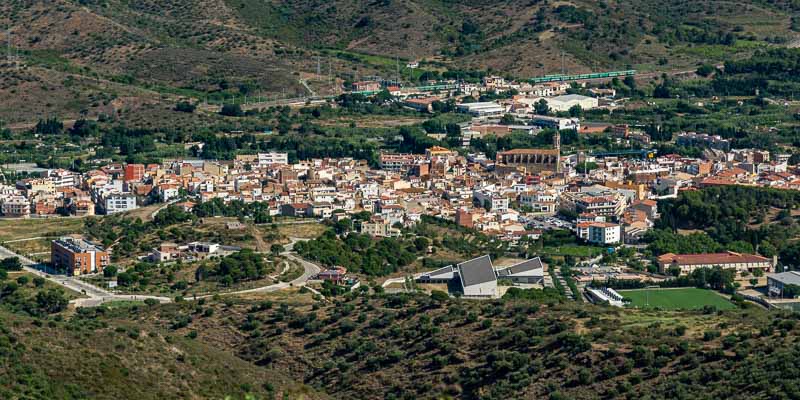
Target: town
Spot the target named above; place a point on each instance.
(606, 200)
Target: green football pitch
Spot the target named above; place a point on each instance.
(676, 299)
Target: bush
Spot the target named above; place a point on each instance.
(51, 301)
(11, 264)
(231, 110)
(439, 296)
(185, 106)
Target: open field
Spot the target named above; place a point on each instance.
(676, 299)
(572, 250)
(11, 229)
(35, 249)
(301, 230)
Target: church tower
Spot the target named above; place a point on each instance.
(557, 140)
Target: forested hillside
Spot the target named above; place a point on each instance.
(399, 347)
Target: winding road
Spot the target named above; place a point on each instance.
(97, 296)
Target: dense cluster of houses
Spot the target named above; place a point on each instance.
(612, 203)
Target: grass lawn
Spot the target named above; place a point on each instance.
(11, 229)
(676, 299)
(572, 250)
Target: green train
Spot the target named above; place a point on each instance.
(577, 77)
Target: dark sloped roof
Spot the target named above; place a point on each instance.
(441, 273)
(525, 266)
(476, 271)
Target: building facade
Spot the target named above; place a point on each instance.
(78, 256)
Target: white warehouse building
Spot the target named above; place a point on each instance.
(567, 101)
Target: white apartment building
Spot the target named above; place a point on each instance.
(273, 158)
(16, 206)
(605, 233)
(495, 201)
(119, 202)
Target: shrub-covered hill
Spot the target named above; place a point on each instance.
(77, 51)
(105, 354)
(406, 347)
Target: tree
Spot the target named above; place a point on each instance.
(126, 279)
(343, 226)
(705, 70)
(50, 126)
(110, 271)
(421, 243)
(576, 111)
(541, 107)
(507, 119)
(11, 264)
(231, 110)
(84, 128)
(276, 249)
(52, 301)
(185, 106)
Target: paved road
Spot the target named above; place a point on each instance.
(309, 269)
(96, 295)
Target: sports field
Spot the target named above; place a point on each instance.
(676, 299)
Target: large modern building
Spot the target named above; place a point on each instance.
(560, 124)
(478, 278)
(738, 261)
(528, 271)
(78, 256)
(483, 109)
(567, 101)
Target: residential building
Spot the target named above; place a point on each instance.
(78, 256)
(702, 139)
(273, 158)
(16, 206)
(134, 172)
(599, 232)
(118, 202)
